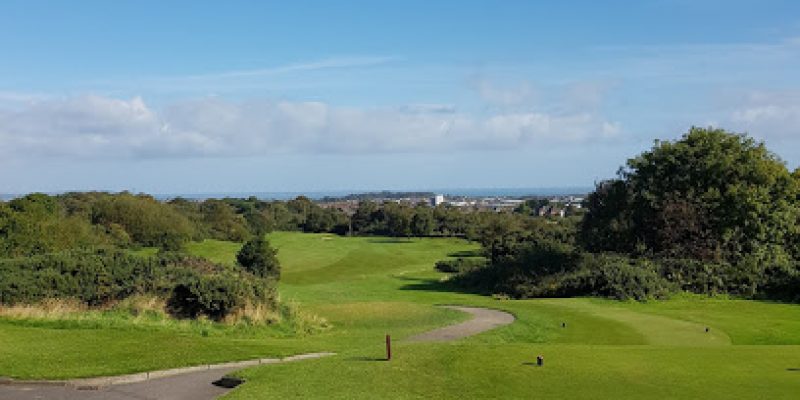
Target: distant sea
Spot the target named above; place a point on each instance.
(468, 192)
(474, 192)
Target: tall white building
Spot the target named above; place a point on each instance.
(436, 200)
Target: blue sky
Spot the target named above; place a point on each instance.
(171, 97)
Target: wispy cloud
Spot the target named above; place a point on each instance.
(18, 99)
(698, 62)
(773, 115)
(518, 94)
(327, 63)
(295, 74)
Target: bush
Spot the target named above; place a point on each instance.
(460, 265)
(216, 295)
(259, 258)
(146, 221)
(94, 277)
(612, 276)
(194, 286)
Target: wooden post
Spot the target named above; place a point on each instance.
(388, 348)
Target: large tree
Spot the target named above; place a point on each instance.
(711, 195)
(398, 219)
(422, 224)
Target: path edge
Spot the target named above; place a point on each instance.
(460, 308)
(103, 381)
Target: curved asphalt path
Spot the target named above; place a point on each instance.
(191, 386)
(483, 320)
(198, 385)
(192, 383)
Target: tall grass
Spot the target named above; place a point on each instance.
(150, 312)
(47, 309)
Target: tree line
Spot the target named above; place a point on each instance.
(712, 212)
(81, 246)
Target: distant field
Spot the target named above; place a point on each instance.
(217, 251)
(369, 287)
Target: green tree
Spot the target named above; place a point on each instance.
(260, 222)
(364, 219)
(38, 224)
(711, 195)
(499, 236)
(608, 224)
(422, 224)
(300, 208)
(147, 221)
(319, 219)
(450, 221)
(223, 221)
(398, 219)
(259, 258)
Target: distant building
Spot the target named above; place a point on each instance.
(436, 200)
(551, 211)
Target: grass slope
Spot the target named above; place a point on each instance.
(607, 350)
(368, 287)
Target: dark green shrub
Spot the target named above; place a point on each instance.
(259, 258)
(93, 276)
(147, 221)
(214, 296)
(612, 276)
(460, 265)
(194, 286)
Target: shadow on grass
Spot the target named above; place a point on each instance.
(531, 364)
(391, 241)
(466, 253)
(435, 285)
(364, 358)
(793, 369)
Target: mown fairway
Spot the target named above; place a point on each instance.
(369, 287)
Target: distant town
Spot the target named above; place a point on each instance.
(543, 206)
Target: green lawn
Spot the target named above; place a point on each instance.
(217, 251)
(608, 350)
(369, 287)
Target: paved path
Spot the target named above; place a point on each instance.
(484, 320)
(193, 383)
(196, 383)
(191, 386)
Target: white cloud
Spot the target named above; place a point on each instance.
(521, 93)
(586, 94)
(97, 126)
(772, 115)
(16, 100)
